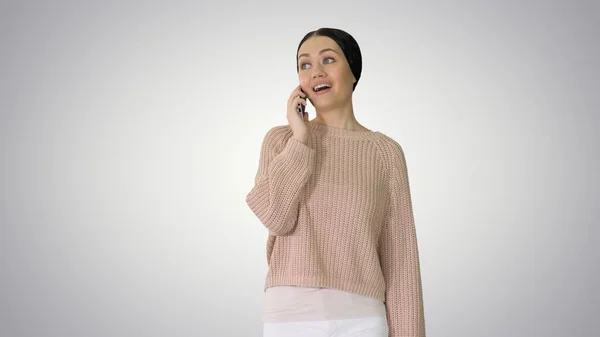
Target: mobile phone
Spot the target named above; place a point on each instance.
(301, 107)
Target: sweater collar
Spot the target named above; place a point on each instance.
(326, 130)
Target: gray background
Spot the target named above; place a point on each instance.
(130, 135)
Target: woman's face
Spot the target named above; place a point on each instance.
(321, 61)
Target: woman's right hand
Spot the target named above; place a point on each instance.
(300, 125)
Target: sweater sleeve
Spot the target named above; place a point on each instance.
(399, 254)
(284, 167)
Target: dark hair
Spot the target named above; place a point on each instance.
(346, 42)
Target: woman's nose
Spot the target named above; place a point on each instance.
(317, 73)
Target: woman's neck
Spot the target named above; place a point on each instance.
(340, 122)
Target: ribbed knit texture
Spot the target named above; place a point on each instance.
(339, 215)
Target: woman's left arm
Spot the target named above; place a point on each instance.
(399, 254)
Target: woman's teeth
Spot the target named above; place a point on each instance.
(321, 87)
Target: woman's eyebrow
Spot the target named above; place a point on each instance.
(321, 52)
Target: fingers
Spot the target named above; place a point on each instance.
(300, 107)
(297, 92)
(300, 91)
(299, 100)
(297, 97)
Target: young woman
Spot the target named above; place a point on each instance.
(342, 247)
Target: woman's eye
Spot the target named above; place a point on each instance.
(326, 61)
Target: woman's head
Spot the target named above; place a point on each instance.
(329, 56)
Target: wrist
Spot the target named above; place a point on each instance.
(301, 139)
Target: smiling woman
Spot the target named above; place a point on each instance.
(329, 62)
(335, 198)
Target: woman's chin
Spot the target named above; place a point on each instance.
(325, 106)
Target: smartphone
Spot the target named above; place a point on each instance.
(301, 108)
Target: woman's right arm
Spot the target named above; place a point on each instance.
(285, 165)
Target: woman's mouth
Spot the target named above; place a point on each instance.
(323, 88)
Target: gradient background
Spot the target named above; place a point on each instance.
(130, 134)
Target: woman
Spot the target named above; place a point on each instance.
(335, 198)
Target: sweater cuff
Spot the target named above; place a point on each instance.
(296, 156)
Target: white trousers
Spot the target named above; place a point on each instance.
(375, 326)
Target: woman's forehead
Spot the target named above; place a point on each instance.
(314, 45)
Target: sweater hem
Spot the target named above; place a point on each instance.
(326, 282)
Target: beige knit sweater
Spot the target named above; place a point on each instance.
(339, 215)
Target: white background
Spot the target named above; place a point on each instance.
(130, 135)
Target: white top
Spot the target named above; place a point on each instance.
(296, 304)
